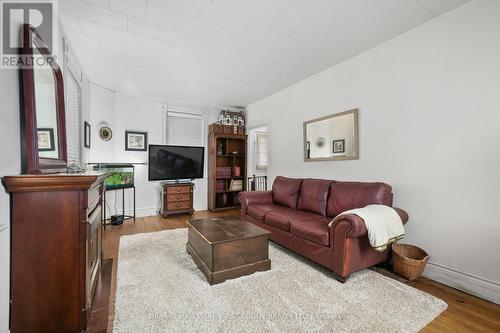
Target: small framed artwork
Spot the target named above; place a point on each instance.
(339, 146)
(86, 136)
(46, 139)
(136, 141)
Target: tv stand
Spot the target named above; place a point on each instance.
(177, 198)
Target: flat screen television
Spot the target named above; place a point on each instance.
(175, 162)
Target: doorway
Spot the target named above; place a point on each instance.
(258, 152)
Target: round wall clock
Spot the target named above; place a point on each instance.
(320, 142)
(105, 133)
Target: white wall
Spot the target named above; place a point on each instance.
(101, 113)
(143, 115)
(429, 105)
(137, 113)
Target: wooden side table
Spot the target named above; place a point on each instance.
(177, 198)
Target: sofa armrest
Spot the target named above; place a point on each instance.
(353, 225)
(248, 198)
(342, 230)
(256, 197)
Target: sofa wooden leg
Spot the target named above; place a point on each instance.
(340, 278)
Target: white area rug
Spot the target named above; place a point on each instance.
(160, 289)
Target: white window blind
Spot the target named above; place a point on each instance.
(73, 117)
(184, 129)
(261, 151)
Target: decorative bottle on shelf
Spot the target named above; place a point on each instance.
(219, 149)
(236, 171)
(227, 119)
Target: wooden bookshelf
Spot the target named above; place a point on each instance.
(234, 153)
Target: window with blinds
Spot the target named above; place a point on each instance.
(261, 152)
(184, 129)
(73, 117)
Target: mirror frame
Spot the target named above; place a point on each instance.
(334, 158)
(32, 163)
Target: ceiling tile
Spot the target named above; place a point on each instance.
(171, 35)
(70, 23)
(77, 9)
(94, 29)
(99, 3)
(127, 38)
(112, 46)
(110, 19)
(140, 52)
(224, 52)
(82, 41)
(155, 45)
(159, 13)
(142, 27)
(130, 7)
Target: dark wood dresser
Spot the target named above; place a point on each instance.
(56, 223)
(177, 198)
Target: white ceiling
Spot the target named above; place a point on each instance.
(229, 52)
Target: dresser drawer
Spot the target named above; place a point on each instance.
(178, 197)
(93, 197)
(179, 205)
(178, 189)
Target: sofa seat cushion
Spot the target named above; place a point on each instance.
(280, 217)
(278, 220)
(313, 195)
(315, 230)
(259, 211)
(286, 191)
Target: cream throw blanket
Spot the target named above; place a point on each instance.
(383, 224)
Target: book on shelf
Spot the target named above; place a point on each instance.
(236, 185)
(223, 172)
(219, 186)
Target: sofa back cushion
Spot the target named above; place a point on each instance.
(350, 195)
(286, 191)
(313, 195)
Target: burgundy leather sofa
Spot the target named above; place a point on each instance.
(297, 213)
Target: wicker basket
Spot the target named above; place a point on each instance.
(408, 261)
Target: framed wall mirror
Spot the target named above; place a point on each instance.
(332, 138)
(43, 127)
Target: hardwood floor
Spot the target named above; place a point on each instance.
(465, 313)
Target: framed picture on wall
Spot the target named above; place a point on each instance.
(46, 139)
(339, 146)
(86, 136)
(136, 141)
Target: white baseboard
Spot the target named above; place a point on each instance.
(145, 211)
(468, 283)
(139, 212)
